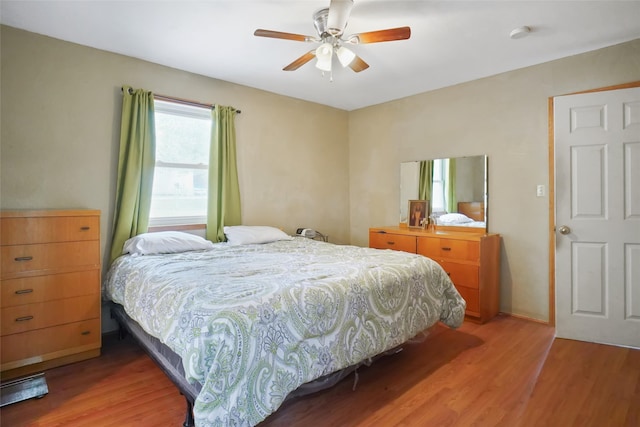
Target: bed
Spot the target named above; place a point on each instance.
(244, 325)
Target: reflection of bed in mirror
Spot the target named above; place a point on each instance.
(456, 187)
(469, 214)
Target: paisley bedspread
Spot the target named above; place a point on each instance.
(254, 322)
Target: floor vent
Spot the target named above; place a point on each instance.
(22, 389)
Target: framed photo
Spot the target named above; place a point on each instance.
(418, 210)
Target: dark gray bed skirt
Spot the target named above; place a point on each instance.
(171, 363)
(162, 355)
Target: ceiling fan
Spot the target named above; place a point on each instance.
(330, 24)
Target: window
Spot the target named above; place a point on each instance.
(180, 181)
(438, 194)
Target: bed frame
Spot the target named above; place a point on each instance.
(162, 355)
(171, 363)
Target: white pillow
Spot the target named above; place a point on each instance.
(165, 242)
(454, 218)
(247, 234)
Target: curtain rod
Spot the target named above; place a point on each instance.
(180, 100)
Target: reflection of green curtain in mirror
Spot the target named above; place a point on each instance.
(452, 202)
(426, 180)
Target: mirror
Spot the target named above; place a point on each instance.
(459, 186)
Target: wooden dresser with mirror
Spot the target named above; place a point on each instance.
(458, 188)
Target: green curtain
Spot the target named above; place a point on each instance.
(224, 191)
(452, 200)
(136, 162)
(425, 185)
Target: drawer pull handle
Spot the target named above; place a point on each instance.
(85, 333)
(23, 258)
(85, 228)
(24, 291)
(23, 318)
(446, 249)
(391, 243)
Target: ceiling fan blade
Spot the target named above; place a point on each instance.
(301, 61)
(339, 11)
(358, 64)
(281, 35)
(401, 33)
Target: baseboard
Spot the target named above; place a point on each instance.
(529, 319)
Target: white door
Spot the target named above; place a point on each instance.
(597, 180)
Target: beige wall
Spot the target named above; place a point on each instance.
(60, 110)
(60, 133)
(504, 117)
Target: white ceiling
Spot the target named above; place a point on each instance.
(451, 42)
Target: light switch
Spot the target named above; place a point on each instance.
(540, 190)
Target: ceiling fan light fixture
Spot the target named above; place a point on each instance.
(324, 54)
(345, 56)
(330, 23)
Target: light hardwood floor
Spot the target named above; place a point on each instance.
(509, 372)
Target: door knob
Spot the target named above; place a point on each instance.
(564, 229)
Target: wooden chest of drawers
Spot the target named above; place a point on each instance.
(50, 306)
(472, 261)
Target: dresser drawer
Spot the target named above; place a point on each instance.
(29, 290)
(398, 242)
(30, 230)
(48, 257)
(49, 343)
(438, 248)
(467, 275)
(39, 315)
